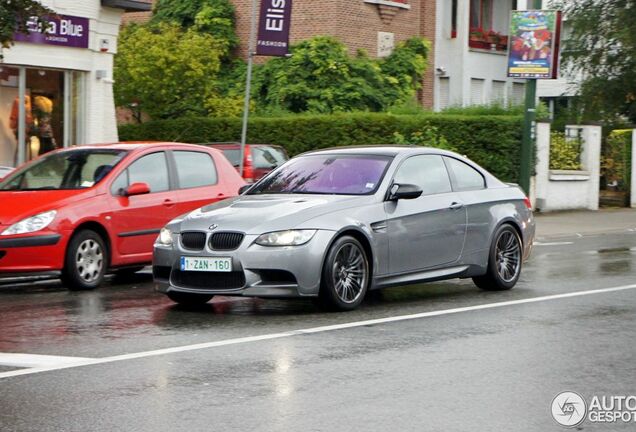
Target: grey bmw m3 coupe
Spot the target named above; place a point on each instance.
(334, 224)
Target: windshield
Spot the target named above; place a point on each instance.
(74, 169)
(268, 157)
(326, 174)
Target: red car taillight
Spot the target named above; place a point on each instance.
(248, 169)
(527, 202)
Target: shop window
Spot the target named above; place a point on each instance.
(39, 112)
(46, 90)
(10, 115)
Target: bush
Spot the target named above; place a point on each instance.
(616, 161)
(491, 141)
(565, 154)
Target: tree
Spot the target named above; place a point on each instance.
(14, 15)
(167, 72)
(321, 77)
(216, 17)
(601, 45)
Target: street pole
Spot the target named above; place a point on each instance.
(248, 85)
(530, 115)
(527, 143)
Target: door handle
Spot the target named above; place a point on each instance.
(168, 203)
(456, 205)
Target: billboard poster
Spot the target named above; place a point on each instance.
(273, 28)
(534, 44)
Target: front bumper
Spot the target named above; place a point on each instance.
(30, 253)
(258, 271)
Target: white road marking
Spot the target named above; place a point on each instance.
(311, 330)
(36, 360)
(552, 243)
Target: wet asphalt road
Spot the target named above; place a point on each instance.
(483, 370)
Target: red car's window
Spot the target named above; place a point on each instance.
(73, 169)
(151, 169)
(194, 169)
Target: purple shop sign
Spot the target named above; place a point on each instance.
(273, 28)
(63, 30)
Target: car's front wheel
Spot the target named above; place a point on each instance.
(345, 275)
(189, 299)
(86, 261)
(504, 262)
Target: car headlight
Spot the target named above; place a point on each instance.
(31, 224)
(165, 237)
(285, 238)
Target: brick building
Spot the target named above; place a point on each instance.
(372, 25)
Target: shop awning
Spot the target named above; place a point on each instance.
(129, 5)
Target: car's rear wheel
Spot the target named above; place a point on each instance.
(504, 263)
(86, 261)
(345, 275)
(189, 299)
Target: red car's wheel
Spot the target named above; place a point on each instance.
(86, 261)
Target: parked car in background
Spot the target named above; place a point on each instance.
(84, 210)
(4, 171)
(336, 223)
(259, 159)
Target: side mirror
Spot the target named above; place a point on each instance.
(404, 191)
(244, 188)
(137, 189)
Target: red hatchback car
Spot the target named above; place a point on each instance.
(85, 210)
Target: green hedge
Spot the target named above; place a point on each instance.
(491, 141)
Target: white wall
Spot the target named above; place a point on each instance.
(460, 63)
(568, 190)
(99, 123)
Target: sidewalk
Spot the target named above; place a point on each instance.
(574, 223)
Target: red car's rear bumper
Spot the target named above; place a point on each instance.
(32, 253)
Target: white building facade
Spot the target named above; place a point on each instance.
(471, 56)
(56, 86)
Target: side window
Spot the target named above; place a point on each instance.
(465, 177)
(194, 169)
(151, 169)
(120, 183)
(426, 171)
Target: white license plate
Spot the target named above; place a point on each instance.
(206, 264)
